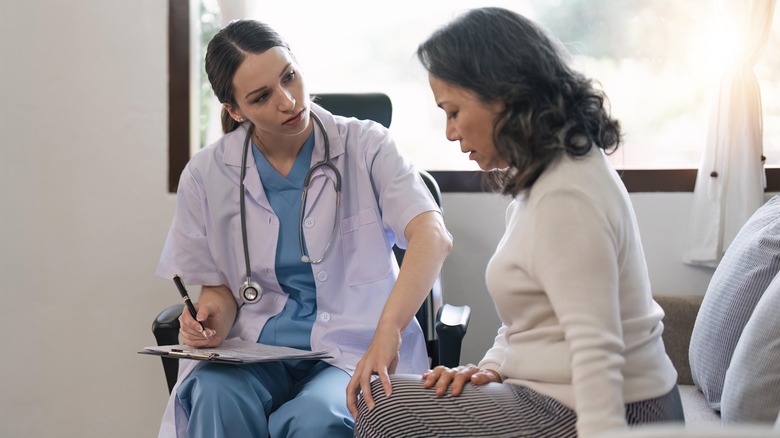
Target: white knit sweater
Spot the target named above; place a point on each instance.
(570, 285)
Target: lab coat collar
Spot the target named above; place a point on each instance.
(336, 150)
(232, 156)
(234, 141)
(234, 149)
(334, 135)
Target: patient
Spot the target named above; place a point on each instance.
(579, 351)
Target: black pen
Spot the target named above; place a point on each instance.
(188, 302)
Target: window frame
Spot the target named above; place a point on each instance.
(179, 139)
(178, 90)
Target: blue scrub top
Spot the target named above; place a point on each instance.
(291, 327)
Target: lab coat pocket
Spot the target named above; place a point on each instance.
(362, 342)
(356, 342)
(365, 248)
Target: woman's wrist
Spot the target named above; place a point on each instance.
(495, 374)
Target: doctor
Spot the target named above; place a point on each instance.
(315, 275)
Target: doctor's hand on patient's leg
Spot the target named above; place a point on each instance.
(216, 311)
(380, 359)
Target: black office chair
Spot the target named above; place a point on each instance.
(444, 334)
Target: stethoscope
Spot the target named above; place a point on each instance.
(250, 290)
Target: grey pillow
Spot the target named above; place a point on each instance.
(751, 390)
(748, 266)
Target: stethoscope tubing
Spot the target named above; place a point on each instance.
(251, 291)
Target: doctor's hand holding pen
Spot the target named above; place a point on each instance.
(216, 311)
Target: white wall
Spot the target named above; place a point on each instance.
(83, 86)
(83, 162)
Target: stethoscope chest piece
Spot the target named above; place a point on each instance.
(250, 291)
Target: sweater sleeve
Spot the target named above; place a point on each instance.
(576, 251)
(494, 357)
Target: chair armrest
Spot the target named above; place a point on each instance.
(166, 326)
(166, 331)
(451, 325)
(678, 323)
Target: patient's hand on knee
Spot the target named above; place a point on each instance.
(442, 378)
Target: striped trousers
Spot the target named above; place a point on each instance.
(492, 410)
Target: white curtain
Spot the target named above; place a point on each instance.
(731, 180)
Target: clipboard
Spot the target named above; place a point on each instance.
(235, 351)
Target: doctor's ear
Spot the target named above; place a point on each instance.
(234, 114)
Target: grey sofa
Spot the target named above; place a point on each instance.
(680, 317)
(728, 339)
(701, 421)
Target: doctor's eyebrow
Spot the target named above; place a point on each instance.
(284, 72)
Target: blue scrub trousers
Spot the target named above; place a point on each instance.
(278, 399)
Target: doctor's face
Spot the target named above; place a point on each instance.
(270, 92)
(469, 121)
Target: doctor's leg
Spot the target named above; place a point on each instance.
(317, 407)
(231, 401)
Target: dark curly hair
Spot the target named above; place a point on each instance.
(500, 55)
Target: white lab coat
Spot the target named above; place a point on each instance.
(381, 192)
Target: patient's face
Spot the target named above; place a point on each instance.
(469, 121)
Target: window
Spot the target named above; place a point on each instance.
(657, 60)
